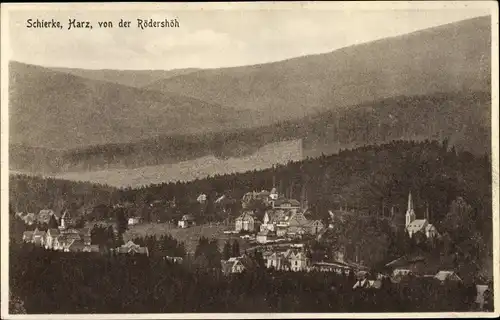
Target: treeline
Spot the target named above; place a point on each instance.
(34, 193)
(165, 245)
(462, 244)
(463, 116)
(373, 180)
(54, 282)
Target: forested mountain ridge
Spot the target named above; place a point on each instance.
(54, 109)
(364, 177)
(364, 94)
(132, 78)
(461, 117)
(447, 58)
(57, 110)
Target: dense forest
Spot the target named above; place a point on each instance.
(370, 183)
(463, 117)
(34, 193)
(370, 180)
(53, 282)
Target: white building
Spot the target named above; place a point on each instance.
(414, 225)
(245, 222)
(202, 198)
(186, 221)
(134, 220)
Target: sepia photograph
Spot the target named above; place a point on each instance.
(250, 160)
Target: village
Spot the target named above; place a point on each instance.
(283, 235)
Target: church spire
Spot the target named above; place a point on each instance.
(410, 213)
(410, 203)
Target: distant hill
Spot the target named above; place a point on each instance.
(463, 119)
(197, 168)
(53, 109)
(72, 109)
(431, 84)
(131, 78)
(448, 58)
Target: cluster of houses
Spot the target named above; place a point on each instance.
(295, 258)
(44, 216)
(63, 238)
(75, 240)
(284, 218)
(67, 240)
(290, 257)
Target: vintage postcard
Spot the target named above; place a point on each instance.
(249, 160)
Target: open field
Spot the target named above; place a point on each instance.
(188, 236)
(265, 157)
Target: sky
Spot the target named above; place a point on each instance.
(210, 38)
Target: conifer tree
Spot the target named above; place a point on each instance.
(235, 249)
(226, 251)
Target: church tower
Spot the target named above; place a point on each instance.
(410, 213)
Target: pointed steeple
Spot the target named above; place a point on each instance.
(410, 203)
(410, 213)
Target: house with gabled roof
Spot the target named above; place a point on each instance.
(286, 204)
(85, 231)
(265, 236)
(276, 260)
(85, 235)
(45, 215)
(332, 266)
(237, 264)
(28, 236)
(398, 274)
(177, 260)
(186, 221)
(131, 248)
(29, 218)
(298, 260)
(65, 240)
(245, 222)
(134, 220)
(315, 226)
(264, 196)
(80, 246)
(297, 218)
(51, 237)
(299, 225)
(447, 275)
(66, 220)
(415, 264)
(268, 220)
(202, 198)
(39, 237)
(292, 259)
